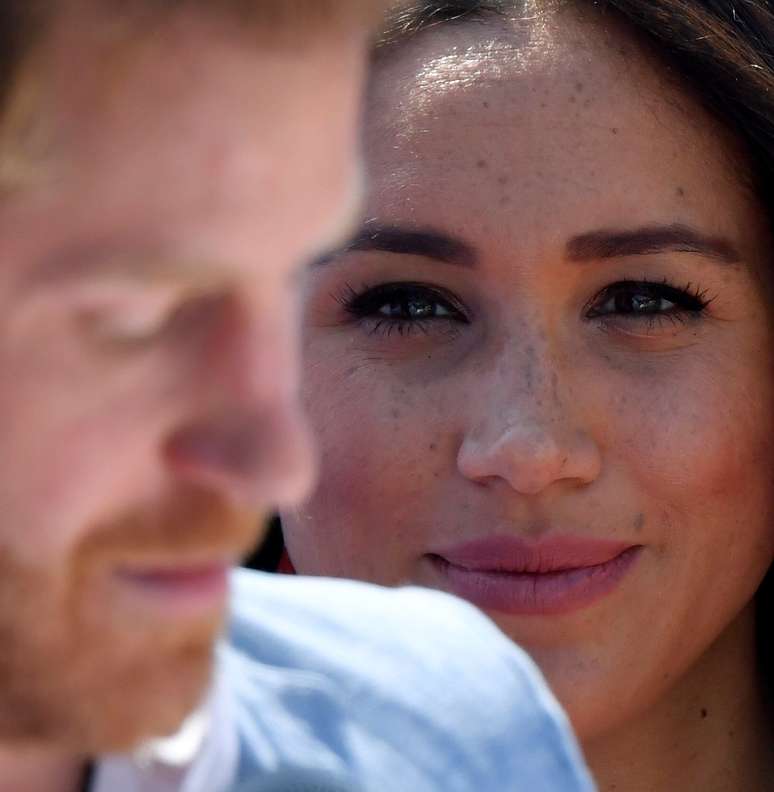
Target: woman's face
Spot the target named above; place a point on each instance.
(542, 374)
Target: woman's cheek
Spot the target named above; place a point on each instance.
(375, 469)
(695, 443)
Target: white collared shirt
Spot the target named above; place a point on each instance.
(201, 757)
(338, 685)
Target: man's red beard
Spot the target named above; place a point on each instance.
(82, 671)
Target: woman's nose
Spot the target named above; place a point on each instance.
(529, 460)
(529, 441)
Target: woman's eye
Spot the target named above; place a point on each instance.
(633, 303)
(414, 309)
(402, 307)
(643, 299)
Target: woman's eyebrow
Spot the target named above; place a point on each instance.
(593, 246)
(605, 244)
(428, 243)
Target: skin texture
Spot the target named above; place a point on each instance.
(533, 418)
(149, 355)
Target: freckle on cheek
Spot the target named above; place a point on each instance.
(639, 522)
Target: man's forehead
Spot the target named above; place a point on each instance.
(94, 71)
(193, 135)
(85, 77)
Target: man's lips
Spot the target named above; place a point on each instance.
(177, 590)
(550, 576)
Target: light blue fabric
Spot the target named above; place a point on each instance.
(343, 686)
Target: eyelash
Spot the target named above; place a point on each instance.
(364, 306)
(689, 302)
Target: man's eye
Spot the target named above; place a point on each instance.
(132, 328)
(633, 299)
(134, 324)
(128, 330)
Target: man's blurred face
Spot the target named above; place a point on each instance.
(148, 363)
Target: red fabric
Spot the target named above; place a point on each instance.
(285, 566)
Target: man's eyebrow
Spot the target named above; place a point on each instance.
(428, 243)
(605, 244)
(131, 262)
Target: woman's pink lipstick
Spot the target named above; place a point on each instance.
(546, 577)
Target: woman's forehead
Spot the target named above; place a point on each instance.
(476, 87)
(492, 115)
(550, 52)
(471, 51)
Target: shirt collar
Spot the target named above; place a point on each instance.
(201, 757)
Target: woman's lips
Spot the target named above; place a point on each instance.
(551, 576)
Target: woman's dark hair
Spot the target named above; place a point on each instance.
(266, 557)
(723, 51)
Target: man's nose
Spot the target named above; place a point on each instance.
(247, 435)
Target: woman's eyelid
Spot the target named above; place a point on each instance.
(689, 298)
(368, 299)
